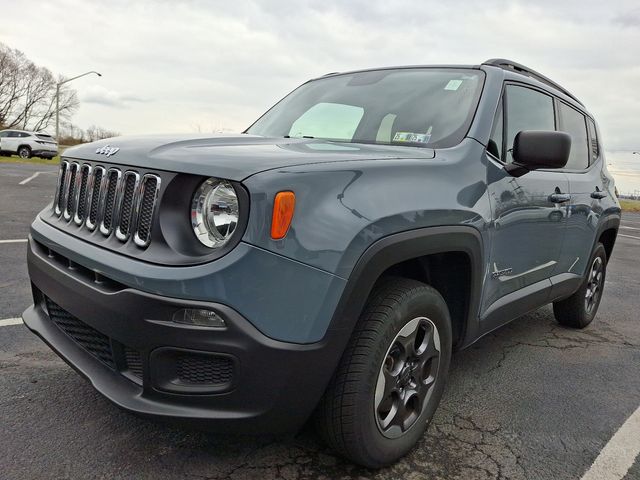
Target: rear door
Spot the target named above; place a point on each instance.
(529, 212)
(10, 141)
(584, 171)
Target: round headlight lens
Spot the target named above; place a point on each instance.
(214, 212)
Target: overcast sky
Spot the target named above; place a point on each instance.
(196, 65)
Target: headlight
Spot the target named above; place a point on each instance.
(214, 212)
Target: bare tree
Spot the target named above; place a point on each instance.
(27, 93)
(94, 133)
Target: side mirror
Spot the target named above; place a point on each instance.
(534, 149)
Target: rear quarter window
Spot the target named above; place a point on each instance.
(595, 145)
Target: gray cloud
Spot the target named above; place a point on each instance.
(628, 19)
(214, 63)
(101, 96)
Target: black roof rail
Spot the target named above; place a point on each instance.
(519, 68)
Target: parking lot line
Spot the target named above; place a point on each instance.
(618, 455)
(10, 321)
(17, 240)
(27, 180)
(628, 236)
(630, 228)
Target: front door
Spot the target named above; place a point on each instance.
(529, 212)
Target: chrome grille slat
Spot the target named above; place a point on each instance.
(98, 180)
(108, 203)
(107, 199)
(65, 190)
(145, 207)
(80, 200)
(59, 197)
(126, 203)
(70, 205)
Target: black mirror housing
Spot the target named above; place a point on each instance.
(534, 149)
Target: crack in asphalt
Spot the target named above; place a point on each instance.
(562, 338)
(458, 444)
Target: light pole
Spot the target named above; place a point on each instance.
(58, 98)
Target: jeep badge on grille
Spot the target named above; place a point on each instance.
(107, 150)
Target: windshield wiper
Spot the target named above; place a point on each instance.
(303, 136)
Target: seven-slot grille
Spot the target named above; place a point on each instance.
(108, 199)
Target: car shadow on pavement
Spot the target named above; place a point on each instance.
(474, 434)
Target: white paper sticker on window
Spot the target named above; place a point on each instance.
(453, 85)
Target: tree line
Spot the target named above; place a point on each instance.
(72, 135)
(28, 99)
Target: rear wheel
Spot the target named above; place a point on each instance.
(391, 376)
(24, 152)
(580, 309)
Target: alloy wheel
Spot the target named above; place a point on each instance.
(594, 284)
(407, 377)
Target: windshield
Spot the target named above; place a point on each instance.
(411, 106)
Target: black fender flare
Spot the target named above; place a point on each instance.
(609, 222)
(393, 249)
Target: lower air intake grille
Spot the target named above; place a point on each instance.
(85, 336)
(204, 370)
(134, 361)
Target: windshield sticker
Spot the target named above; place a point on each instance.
(453, 85)
(412, 137)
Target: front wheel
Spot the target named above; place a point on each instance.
(391, 376)
(579, 310)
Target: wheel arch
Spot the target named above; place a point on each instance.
(440, 256)
(607, 233)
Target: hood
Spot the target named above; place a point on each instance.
(234, 157)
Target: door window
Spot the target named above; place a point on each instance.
(527, 109)
(573, 122)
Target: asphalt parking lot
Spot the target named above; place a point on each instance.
(530, 401)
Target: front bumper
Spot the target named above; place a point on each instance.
(273, 386)
(42, 152)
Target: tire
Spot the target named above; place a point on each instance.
(24, 152)
(579, 310)
(356, 414)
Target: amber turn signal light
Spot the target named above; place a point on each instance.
(283, 207)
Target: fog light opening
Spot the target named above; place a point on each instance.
(199, 317)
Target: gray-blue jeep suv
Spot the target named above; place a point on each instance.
(327, 261)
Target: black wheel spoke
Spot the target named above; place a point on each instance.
(407, 376)
(594, 284)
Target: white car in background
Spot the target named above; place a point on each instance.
(27, 144)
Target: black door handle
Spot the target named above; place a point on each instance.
(598, 195)
(559, 197)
